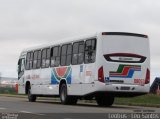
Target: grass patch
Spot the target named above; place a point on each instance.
(145, 100)
(7, 90)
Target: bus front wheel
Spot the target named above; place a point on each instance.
(31, 98)
(105, 100)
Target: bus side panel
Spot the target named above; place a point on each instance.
(21, 89)
(21, 85)
(89, 77)
(77, 76)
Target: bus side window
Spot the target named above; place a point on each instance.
(48, 57)
(90, 50)
(66, 53)
(55, 56)
(78, 53)
(81, 52)
(45, 58)
(35, 59)
(29, 60)
(19, 65)
(75, 53)
(20, 68)
(63, 55)
(43, 63)
(69, 54)
(39, 59)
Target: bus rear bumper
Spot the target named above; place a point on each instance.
(122, 89)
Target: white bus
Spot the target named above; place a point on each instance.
(101, 66)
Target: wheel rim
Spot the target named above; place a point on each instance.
(29, 93)
(63, 94)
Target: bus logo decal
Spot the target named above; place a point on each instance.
(125, 71)
(61, 73)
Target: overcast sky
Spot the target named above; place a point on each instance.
(25, 23)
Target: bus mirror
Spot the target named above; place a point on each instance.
(19, 62)
(18, 68)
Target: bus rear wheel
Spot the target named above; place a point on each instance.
(105, 100)
(31, 98)
(65, 99)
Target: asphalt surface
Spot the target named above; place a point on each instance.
(46, 108)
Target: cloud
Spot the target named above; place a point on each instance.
(26, 23)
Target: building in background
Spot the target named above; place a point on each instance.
(8, 81)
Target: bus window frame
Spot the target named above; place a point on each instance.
(95, 48)
(21, 68)
(52, 57)
(78, 53)
(45, 57)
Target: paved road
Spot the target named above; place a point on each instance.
(52, 109)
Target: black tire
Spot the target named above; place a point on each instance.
(105, 100)
(31, 98)
(72, 100)
(65, 99)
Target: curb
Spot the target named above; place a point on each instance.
(13, 95)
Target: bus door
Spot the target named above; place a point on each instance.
(21, 63)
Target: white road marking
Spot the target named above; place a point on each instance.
(39, 114)
(31, 113)
(2, 108)
(25, 112)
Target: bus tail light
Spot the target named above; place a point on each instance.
(147, 79)
(100, 74)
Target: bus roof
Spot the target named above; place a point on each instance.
(62, 41)
(84, 37)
